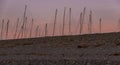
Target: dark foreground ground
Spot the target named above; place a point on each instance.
(94, 49)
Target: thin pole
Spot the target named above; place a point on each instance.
(31, 28)
(24, 17)
(70, 21)
(36, 34)
(25, 27)
(7, 29)
(19, 32)
(90, 23)
(81, 22)
(100, 24)
(64, 20)
(39, 32)
(83, 17)
(16, 29)
(119, 25)
(54, 27)
(46, 30)
(2, 29)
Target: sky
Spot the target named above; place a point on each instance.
(43, 11)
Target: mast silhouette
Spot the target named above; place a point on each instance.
(82, 19)
(2, 29)
(31, 28)
(16, 29)
(81, 24)
(100, 24)
(36, 33)
(63, 20)
(39, 32)
(25, 28)
(24, 19)
(70, 21)
(119, 25)
(7, 29)
(90, 23)
(54, 27)
(46, 29)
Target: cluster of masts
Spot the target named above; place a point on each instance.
(22, 32)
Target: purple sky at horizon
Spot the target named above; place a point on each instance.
(46, 7)
(44, 10)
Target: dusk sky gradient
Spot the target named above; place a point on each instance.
(43, 10)
(101, 8)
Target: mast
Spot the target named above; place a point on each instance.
(2, 29)
(119, 25)
(36, 33)
(25, 27)
(24, 18)
(54, 27)
(7, 29)
(80, 22)
(46, 30)
(100, 24)
(64, 20)
(70, 21)
(90, 23)
(39, 32)
(31, 28)
(16, 29)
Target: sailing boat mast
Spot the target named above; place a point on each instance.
(80, 22)
(90, 23)
(54, 27)
(31, 28)
(24, 19)
(7, 29)
(64, 20)
(2, 29)
(16, 28)
(69, 20)
(82, 19)
(100, 24)
(46, 30)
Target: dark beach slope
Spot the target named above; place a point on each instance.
(88, 49)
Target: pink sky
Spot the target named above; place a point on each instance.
(43, 12)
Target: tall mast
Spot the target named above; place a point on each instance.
(24, 18)
(80, 22)
(100, 24)
(25, 27)
(7, 29)
(16, 28)
(36, 33)
(69, 20)
(39, 32)
(119, 25)
(64, 20)
(46, 30)
(31, 28)
(90, 23)
(54, 27)
(2, 29)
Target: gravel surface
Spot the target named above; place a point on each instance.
(95, 49)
